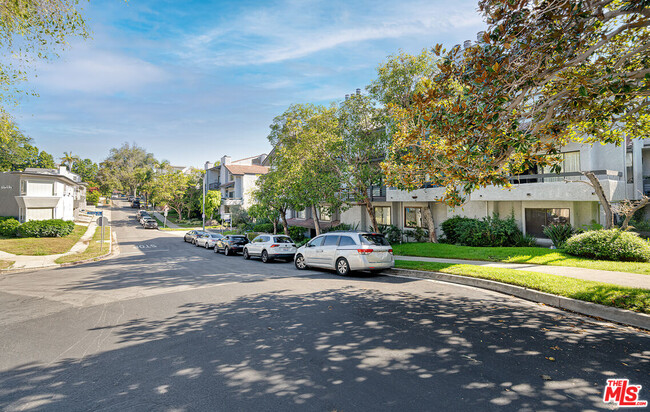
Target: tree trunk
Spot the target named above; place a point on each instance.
(283, 217)
(275, 227)
(607, 207)
(371, 213)
(642, 203)
(316, 220)
(431, 224)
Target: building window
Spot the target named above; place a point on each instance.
(382, 215)
(412, 217)
(629, 166)
(23, 187)
(536, 219)
(570, 163)
(324, 214)
(301, 214)
(21, 215)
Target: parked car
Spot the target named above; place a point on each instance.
(135, 204)
(231, 244)
(149, 223)
(270, 247)
(140, 213)
(192, 235)
(207, 240)
(346, 252)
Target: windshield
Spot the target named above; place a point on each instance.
(283, 239)
(374, 240)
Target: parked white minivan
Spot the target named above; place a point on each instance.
(346, 252)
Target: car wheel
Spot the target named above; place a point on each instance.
(206, 245)
(342, 267)
(226, 251)
(216, 250)
(265, 257)
(246, 255)
(300, 262)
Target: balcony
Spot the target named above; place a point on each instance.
(214, 186)
(375, 193)
(232, 201)
(569, 186)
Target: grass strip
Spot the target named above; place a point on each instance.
(40, 246)
(637, 300)
(93, 249)
(6, 264)
(533, 255)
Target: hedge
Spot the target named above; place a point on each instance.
(45, 228)
(612, 244)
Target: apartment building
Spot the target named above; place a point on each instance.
(536, 199)
(39, 194)
(236, 180)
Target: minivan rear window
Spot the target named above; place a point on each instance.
(283, 239)
(374, 240)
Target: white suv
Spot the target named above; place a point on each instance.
(346, 251)
(269, 247)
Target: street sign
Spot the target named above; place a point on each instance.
(226, 217)
(102, 221)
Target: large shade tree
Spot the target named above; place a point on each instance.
(127, 168)
(543, 73)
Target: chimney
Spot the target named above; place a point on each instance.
(358, 92)
(208, 165)
(63, 170)
(225, 160)
(347, 96)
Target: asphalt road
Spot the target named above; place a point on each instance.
(168, 326)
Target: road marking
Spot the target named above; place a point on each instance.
(147, 246)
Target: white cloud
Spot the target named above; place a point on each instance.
(95, 71)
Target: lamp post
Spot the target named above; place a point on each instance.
(205, 179)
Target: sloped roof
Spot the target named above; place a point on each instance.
(247, 170)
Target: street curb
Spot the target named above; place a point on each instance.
(626, 317)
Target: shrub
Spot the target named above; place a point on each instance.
(559, 234)
(521, 240)
(9, 226)
(342, 226)
(487, 232)
(419, 234)
(251, 235)
(296, 233)
(392, 233)
(263, 227)
(610, 244)
(451, 228)
(92, 198)
(46, 228)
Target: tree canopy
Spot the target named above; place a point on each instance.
(542, 74)
(127, 168)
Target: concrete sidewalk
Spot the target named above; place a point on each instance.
(168, 224)
(633, 280)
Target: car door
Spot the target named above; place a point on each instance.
(311, 250)
(265, 243)
(254, 246)
(327, 254)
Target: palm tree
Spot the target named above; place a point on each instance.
(69, 159)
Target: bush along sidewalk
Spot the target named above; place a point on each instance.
(10, 227)
(633, 299)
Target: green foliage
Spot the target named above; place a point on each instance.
(86, 169)
(593, 225)
(263, 227)
(16, 152)
(45, 228)
(92, 197)
(212, 202)
(392, 233)
(239, 216)
(559, 234)
(489, 231)
(296, 233)
(127, 169)
(8, 227)
(419, 234)
(610, 244)
(521, 240)
(342, 226)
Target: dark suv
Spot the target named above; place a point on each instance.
(230, 244)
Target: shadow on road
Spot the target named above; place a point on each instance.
(345, 348)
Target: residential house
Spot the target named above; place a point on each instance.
(39, 194)
(236, 180)
(536, 199)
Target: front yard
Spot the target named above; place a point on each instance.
(39, 246)
(533, 255)
(93, 249)
(634, 299)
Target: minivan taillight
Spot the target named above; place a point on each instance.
(364, 251)
(390, 250)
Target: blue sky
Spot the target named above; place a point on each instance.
(193, 80)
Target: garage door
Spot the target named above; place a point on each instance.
(40, 214)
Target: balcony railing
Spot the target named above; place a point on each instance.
(375, 193)
(567, 176)
(214, 186)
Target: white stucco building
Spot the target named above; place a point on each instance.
(236, 180)
(39, 194)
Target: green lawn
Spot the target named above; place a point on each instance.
(637, 300)
(39, 246)
(4, 264)
(534, 255)
(93, 249)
